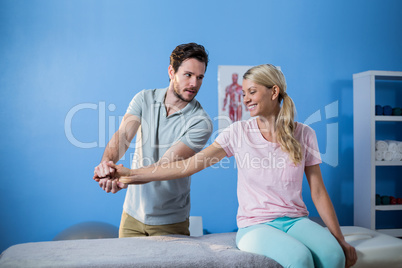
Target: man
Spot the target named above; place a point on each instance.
(170, 124)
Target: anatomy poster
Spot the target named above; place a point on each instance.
(230, 95)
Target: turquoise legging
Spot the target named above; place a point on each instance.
(292, 242)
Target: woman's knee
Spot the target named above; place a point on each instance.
(330, 257)
(299, 258)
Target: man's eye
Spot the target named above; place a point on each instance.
(200, 77)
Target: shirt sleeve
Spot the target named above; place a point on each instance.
(224, 140)
(198, 133)
(312, 152)
(135, 106)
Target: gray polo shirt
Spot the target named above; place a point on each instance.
(163, 202)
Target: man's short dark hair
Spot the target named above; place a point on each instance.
(188, 51)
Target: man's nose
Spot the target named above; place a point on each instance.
(193, 81)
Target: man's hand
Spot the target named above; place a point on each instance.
(111, 186)
(104, 175)
(103, 171)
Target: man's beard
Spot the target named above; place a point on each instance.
(175, 92)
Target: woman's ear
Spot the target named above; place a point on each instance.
(275, 92)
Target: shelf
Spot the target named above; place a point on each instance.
(380, 75)
(388, 163)
(388, 207)
(365, 124)
(388, 118)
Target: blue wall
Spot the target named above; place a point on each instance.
(93, 56)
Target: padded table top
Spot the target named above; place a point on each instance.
(374, 249)
(214, 250)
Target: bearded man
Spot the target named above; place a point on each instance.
(170, 125)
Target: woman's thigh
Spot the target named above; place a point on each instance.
(324, 247)
(275, 244)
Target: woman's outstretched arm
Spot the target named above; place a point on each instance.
(171, 170)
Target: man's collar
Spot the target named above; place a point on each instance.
(160, 95)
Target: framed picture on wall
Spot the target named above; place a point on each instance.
(230, 95)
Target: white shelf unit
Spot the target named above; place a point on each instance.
(364, 137)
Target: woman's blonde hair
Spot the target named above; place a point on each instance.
(268, 76)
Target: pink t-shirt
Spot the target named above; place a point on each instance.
(269, 184)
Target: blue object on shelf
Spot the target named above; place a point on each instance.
(379, 110)
(387, 110)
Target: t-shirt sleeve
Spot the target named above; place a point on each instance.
(198, 133)
(224, 140)
(312, 152)
(135, 106)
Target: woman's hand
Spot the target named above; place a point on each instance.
(350, 254)
(122, 176)
(120, 170)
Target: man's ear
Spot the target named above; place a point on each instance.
(171, 72)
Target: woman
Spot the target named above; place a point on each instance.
(272, 152)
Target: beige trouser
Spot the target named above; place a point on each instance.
(130, 227)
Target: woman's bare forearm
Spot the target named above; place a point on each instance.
(178, 169)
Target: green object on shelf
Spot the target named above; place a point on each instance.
(377, 199)
(385, 200)
(396, 111)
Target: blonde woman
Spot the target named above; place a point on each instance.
(272, 152)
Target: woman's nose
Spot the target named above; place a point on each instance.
(246, 99)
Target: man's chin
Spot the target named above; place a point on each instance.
(187, 99)
(181, 97)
